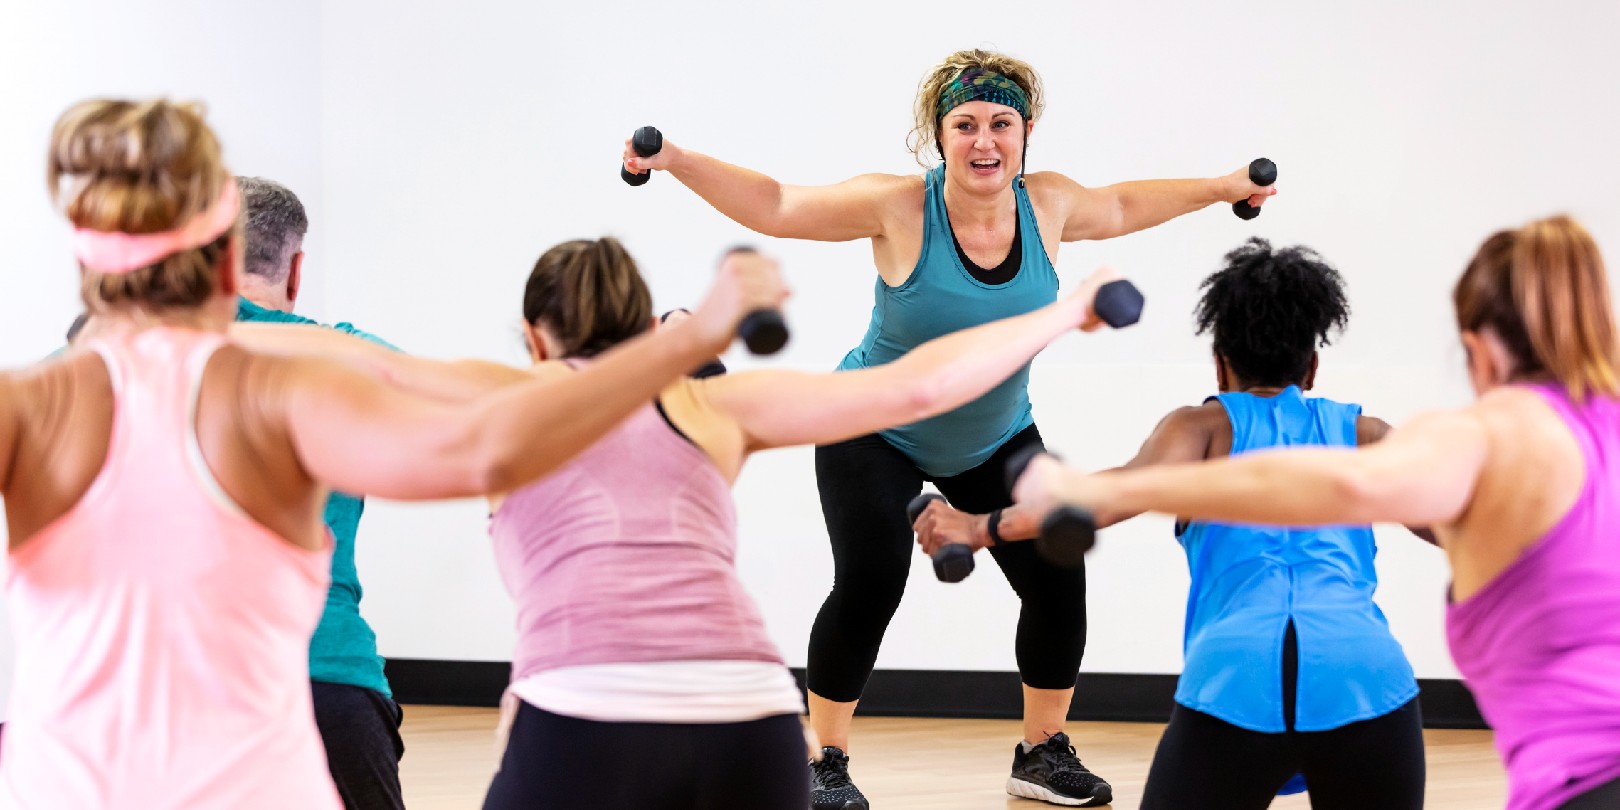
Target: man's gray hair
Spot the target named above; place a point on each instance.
(276, 224)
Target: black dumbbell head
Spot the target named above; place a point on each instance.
(1067, 533)
(953, 562)
(1262, 172)
(1118, 303)
(763, 331)
(647, 141)
(915, 509)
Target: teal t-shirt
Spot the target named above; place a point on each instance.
(344, 648)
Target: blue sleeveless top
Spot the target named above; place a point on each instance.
(1248, 582)
(941, 297)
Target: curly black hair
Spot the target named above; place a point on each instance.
(1270, 309)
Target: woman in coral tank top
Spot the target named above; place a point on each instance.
(163, 487)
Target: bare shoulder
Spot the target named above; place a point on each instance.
(1370, 429)
(1051, 189)
(1516, 412)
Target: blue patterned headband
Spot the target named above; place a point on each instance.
(978, 84)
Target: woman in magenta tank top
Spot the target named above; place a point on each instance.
(633, 626)
(164, 486)
(1522, 489)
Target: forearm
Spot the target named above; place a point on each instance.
(1144, 204)
(1303, 487)
(949, 371)
(749, 198)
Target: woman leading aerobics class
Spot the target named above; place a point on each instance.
(970, 241)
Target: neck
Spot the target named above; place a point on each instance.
(261, 295)
(128, 321)
(968, 209)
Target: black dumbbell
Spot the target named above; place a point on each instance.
(1262, 172)
(646, 142)
(1118, 303)
(763, 331)
(953, 561)
(1068, 532)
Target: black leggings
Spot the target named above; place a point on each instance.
(865, 484)
(1603, 797)
(554, 762)
(1208, 763)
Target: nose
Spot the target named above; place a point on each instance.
(984, 139)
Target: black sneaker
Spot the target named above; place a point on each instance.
(1052, 773)
(830, 788)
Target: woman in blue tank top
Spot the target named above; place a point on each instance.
(1290, 666)
(969, 242)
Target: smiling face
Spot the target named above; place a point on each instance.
(983, 144)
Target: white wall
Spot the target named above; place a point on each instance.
(441, 147)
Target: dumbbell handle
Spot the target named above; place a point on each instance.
(1262, 172)
(952, 561)
(647, 141)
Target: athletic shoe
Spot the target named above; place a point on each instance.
(830, 787)
(1052, 773)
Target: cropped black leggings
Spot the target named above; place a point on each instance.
(865, 484)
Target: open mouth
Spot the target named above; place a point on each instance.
(987, 166)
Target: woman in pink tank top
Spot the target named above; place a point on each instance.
(634, 629)
(1522, 489)
(164, 489)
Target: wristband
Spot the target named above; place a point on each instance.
(991, 527)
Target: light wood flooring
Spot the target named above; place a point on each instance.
(918, 764)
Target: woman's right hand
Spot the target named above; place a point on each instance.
(746, 281)
(636, 164)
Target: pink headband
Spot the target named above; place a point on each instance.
(116, 252)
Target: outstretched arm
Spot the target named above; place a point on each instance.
(452, 381)
(1423, 474)
(359, 435)
(842, 212)
(782, 408)
(1122, 208)
(1183, 435)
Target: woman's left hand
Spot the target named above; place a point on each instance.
(1239, 187)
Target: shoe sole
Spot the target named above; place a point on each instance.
(1030, 790)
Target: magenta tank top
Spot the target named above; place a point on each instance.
(1540, 644)
(627, 554)
(162, 635)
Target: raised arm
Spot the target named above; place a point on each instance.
(853, 209)
(1423, 474)
(782, 408)
(1122, 208)
(1183, 435)
(360, 435)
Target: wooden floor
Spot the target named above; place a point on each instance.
(918, 764)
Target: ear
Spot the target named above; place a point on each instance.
(1310, 373)
(1221, 375)
(1489, 364)
(535, 344)
(295, 278)
(230, 271)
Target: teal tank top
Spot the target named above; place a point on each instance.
(1249, 582)
(941, 297)
(344, 647)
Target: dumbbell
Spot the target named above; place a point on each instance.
(763, 331)
(1118, 303)
(1067, 532)
(647, 141)
(1262, 172)
(953, 561)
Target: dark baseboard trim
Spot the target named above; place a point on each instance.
(920, 693)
